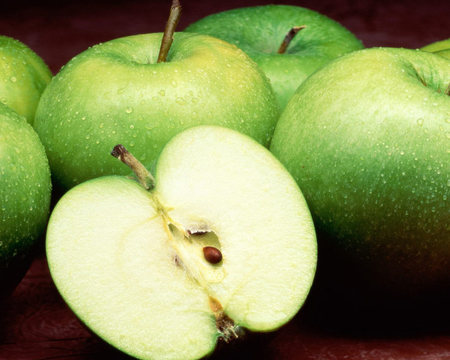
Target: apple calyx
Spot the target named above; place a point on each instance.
(229, 331)
(288, 38)
(182, 240)
(172, 22)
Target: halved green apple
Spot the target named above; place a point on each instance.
(223, 242)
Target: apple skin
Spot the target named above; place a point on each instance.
(437, 46)
(367, 143)
(441, 48)
(25, 191)
(115, 92)
(260, 30)
(23, 77)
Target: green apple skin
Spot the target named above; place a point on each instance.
(23, 77)
(25, 190)
(115, 92)
(144, 289)
(437, 46)
(366, 138)
(441, 48)
(260, 30)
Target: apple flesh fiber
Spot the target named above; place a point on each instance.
(366, 138)
(25, 190)
(23, 77)
(116, 92)
(260, 30)
(131, 262)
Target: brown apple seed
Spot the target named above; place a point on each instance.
(212, 254)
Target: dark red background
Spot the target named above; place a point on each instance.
(36, 324)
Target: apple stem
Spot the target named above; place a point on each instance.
(144, 176)
(288, 38)
(172, 22)
(447, 92)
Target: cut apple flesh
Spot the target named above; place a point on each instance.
(131, 264)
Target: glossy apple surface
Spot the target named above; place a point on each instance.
(24, 196)
(260, 30)
(116, 92)
(366, 138)
(23, 77)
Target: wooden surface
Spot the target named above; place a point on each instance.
(36, 324)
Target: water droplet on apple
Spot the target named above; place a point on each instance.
(162, 92)
(13, 79)
(180, 101)
(420, 121)
(129, 110)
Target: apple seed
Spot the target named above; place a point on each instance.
(212, 254)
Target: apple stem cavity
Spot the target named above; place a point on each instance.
(144, 177)
(288, 38)
(172, 22)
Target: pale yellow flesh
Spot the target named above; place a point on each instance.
(146, 289)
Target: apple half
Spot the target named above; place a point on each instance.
(224, 241)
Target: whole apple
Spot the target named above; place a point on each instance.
(117, 92)
(366, 138)
(25, 189)
(220, 241)
(23, 77)
(260, 31)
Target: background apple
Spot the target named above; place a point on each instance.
(116, 92)
(24, 196)
(441, 47)
(23, 77)
(137, 265)
(366, 138)
(260, 30)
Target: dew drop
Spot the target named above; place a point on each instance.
(129, 110)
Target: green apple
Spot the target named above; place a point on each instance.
(117, 92)
(366, 138)
(23, 77)
(441, 47)
(260, 31)
(24, 196)
(223, 241)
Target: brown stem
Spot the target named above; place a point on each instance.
(447, 92)
(172, 22)
(145, 178)
(288, 38)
